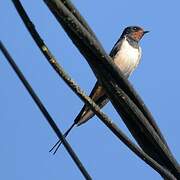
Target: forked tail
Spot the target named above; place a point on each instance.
(99, 96)
(58, 144)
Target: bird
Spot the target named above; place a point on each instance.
(126, 54)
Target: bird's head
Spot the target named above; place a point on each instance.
(134, 32)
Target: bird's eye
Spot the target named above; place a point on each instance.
(135, 28)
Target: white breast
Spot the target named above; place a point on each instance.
(127, 58)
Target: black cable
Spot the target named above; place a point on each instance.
(76, 13)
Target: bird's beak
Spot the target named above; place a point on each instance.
(145, 32)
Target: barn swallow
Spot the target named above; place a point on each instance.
(126, 54)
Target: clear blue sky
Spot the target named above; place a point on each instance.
(25, 137)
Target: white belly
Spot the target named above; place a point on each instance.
(127, 58)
